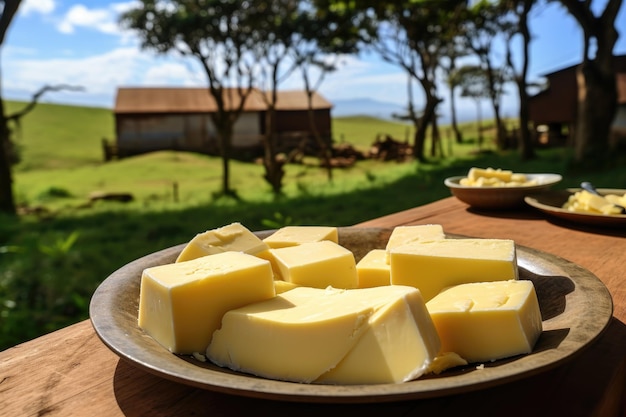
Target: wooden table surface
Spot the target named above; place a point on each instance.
(70, 372)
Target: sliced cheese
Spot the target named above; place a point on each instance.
(295, 235)
(181, 304)
(373, 269)
(232, 237)
(488, 320)
(316, 264)
(434, 265)
(373, 335)
(402, 235)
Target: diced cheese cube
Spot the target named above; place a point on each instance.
(359, 336)
(488, 320)
(438, 264)
(317, 264)
(402, 235)
(181, 304)
(295, 235)
(232, 237)
(373, 269)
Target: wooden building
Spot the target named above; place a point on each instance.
(553, 110)
(166, 118)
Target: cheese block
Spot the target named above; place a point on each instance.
(316, 264)
(488, 320)
(373, 270)
(358, 336)
(295, 235)
(181, 304)
(232, 237)
(402, 235)
(434, 265)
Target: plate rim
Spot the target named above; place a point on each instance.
(226, 381)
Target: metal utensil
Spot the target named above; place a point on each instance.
(585, 185)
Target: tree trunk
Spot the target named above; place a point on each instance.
(455, 126)
(325, 151)
(525, 145)
(597, 89)
(597, 101)
(274, 172)
(429, 113)
(7, 203)
(224, 131)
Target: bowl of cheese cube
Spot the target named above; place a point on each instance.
(496, 188)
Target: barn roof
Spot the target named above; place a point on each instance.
(198, 100)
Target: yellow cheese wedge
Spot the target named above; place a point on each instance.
(402, 235)
(295, 235)
(181, 304)
(232, 237)
(373, 270)
(434, 265)
(317, 264)
(359, 336)
(488, 320)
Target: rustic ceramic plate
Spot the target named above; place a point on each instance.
(498, 198)
(576, 307)
(551, 203)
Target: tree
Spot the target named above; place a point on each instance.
(454, 52)
(481, 28)
(474, 84)
(520, 9)
(415, 36)
(215, 33)
(328, 32)
(597, 90)
(8, 122)
(274, 26)
(7, 203)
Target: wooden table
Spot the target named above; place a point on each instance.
(70, 372)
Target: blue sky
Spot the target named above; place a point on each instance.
(80, 43)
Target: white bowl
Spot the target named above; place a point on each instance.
(496, 198)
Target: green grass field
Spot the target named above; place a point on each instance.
(52, 262)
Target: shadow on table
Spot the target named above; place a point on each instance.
(530, 213)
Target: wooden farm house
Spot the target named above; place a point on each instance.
(164, 118)
(553, 110)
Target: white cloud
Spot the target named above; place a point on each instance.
(97, 74)
(37, 6)
(101, 20)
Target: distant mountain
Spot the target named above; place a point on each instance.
(365, 107)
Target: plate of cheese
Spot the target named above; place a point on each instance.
(497, 189)
(276, 331)
(578, 206)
